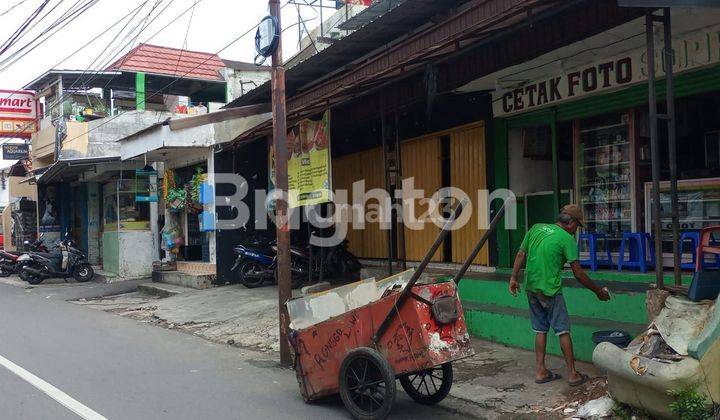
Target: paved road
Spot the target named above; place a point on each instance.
(122, 369)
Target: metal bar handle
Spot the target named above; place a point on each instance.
(405, 293)
(490, 230)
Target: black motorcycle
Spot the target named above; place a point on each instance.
(44, 265)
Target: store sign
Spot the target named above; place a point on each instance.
(692, 51)
(15, 151)
(18, 113)
(309, 173)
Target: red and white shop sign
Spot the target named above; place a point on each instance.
(18, 113)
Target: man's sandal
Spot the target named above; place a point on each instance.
(583, 378)
(551, 376)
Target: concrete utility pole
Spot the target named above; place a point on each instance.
(281, 184)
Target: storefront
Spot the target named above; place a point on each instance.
(582, 134)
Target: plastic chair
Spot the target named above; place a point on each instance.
(692, 236)
(592, 246)
(705, 284)
(637, 245)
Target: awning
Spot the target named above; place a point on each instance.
(69, 169)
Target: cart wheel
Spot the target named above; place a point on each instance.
(429, 386)
(367, 384)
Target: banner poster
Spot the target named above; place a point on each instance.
(48, 208)
(309, 164)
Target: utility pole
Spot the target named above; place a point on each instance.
(281, 184)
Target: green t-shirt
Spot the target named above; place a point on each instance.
(548, 248)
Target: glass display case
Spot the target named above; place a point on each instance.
(121, 210)
(605, 187)
(698, 205)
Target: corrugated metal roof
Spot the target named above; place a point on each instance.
(170, 61)
(400, 20)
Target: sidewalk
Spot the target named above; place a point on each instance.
(497, 382)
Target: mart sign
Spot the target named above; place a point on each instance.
(18, 113)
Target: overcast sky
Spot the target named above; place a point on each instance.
(214, 24)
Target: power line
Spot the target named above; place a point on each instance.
(65, 20)
(145, 25)
(12, 7)
(19, 31)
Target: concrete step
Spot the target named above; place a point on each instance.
(161, 289)
(203, 281)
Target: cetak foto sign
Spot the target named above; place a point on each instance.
(18, 113)
(693, 50)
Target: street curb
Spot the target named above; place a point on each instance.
(161, 290)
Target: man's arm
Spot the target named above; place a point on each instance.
(583, 278)
(517, 265)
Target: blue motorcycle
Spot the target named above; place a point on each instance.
(256, 263)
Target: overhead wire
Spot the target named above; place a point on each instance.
(94, 74)
(11, 8)
(254, 27)
(36, 42)
(23, 26)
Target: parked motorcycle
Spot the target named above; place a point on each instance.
(11, 262)
(44, 265)
(256, 263)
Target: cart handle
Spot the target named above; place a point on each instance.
(405, 293)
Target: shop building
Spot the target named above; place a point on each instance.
(422, 106)
(83, 187)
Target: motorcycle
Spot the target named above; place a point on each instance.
(256, 263)
(43, 265)
(12, 262)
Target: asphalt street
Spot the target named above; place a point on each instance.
(119, 368)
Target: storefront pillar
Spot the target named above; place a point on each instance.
(555, 164)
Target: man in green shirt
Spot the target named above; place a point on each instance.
(546, 248)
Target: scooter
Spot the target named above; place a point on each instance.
(11, 262)
(50, 265)
(256, 263)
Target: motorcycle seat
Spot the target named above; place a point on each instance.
(50, 255)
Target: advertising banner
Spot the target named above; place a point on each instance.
(15, 151)
(18, 113)
(309, 168)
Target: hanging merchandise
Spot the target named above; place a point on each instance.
(168, 183)
(172, 237)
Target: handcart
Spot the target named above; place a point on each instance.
(411, 334)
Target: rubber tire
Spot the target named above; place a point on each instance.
(435, 398)
(4, 272)
(34, 279)
(388, 377)
(83, 279)
(250, 282)
(24, 275)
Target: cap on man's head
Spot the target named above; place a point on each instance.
(574, 211)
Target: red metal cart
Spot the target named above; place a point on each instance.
(413, 335)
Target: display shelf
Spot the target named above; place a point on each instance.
(605, 146)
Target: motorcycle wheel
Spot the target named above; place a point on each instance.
(83, 273)
(247, 279)
(5, 270)
(34, 279)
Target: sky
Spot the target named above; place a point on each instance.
(214, 24)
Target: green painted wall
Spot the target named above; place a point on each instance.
(140, 91)
(494, 314)
(111, 252)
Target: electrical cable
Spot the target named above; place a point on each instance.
(65, 21)
(12, 7)
(19, 31)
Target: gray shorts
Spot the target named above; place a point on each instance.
(548, 311)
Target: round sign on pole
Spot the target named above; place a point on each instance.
(267, 36)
